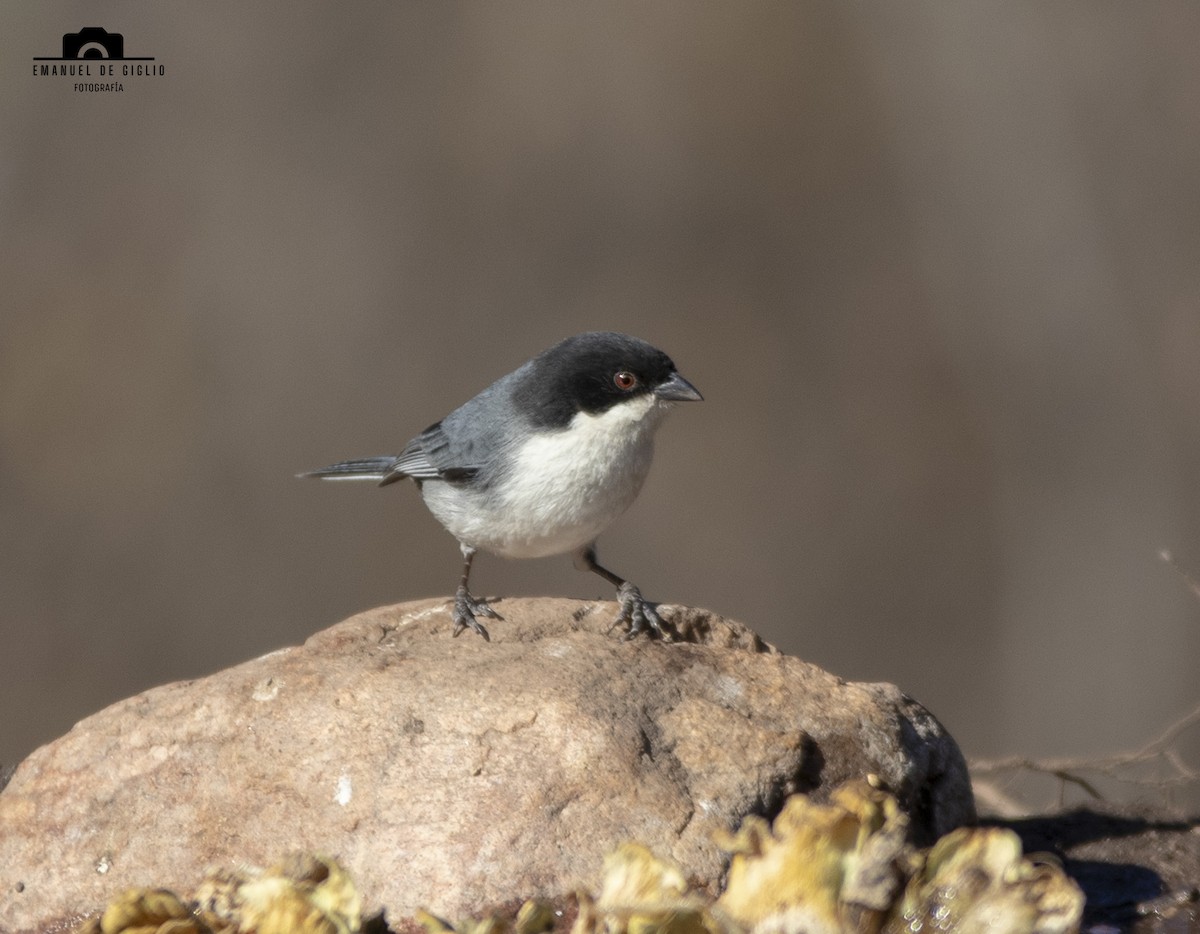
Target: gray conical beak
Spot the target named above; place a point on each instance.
(678, 389)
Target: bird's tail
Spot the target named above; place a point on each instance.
(365, 468)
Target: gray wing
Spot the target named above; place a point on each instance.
(468, 445)
(431, 456)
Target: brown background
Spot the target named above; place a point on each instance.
(935, 267)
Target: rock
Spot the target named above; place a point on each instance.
(454, 773)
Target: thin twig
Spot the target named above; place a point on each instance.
(1072, 770)
(1119, 767)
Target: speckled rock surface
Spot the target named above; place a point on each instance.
(455, 773)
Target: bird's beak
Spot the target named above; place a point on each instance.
(678, 389)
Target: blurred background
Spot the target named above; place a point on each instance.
(936, 269)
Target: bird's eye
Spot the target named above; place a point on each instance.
(624, 380)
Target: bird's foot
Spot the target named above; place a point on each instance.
(638, 614)
(466, 608)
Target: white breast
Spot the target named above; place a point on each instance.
(563, 488)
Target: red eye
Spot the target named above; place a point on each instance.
(624, 380)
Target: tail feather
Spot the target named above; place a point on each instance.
(365, 468)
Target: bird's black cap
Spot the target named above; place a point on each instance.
(591, 373)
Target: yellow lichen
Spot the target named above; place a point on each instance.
(976, 880)
(301, 895)
(842, 867)
(820, 867)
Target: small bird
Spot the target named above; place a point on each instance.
(542, 461)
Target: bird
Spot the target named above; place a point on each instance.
(542, 461)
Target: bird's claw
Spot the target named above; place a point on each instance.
(638, 614)
(466, 608)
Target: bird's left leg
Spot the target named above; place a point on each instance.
(637, 613)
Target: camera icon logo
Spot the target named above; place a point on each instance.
(93, 42)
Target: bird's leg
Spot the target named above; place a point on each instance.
(466, 606)
(637, 613)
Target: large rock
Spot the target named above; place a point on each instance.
(454, 773)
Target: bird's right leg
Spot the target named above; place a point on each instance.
(465, 606)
